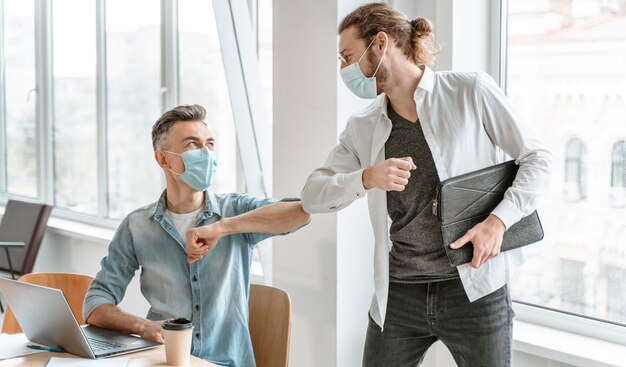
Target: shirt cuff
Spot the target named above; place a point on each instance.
(92, 302)
(508, 213)
(353, 184)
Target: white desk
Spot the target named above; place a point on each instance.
(150, 357)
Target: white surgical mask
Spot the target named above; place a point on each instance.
(357, 82)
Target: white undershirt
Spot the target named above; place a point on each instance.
(184, 221)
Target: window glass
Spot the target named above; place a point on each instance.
(20, 147)
(566, 72)
(133, 85)
(203, 81)
(575, 170)
(75, 105)
(618, 173)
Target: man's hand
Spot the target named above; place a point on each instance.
(390, 175)
(110, 316)
(151, 330)
(486, 238)
(201, 240)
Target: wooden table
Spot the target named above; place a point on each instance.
(150, 357)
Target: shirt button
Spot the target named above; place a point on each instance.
(358, 194)
(197, 335)
(195, 278)
(197, 307)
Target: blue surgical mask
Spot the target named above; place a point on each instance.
(200, 167)
(356, 81)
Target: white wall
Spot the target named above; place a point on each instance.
(304, 121)
(327, 266)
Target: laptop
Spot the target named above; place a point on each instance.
(47, 319)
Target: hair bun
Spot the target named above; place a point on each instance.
(422, 26)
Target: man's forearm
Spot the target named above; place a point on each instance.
(112, 317)
(279, 217)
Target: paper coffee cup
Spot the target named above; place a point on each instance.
(177, 335)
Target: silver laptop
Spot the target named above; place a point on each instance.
(47, 319)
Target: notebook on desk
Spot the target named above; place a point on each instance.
(46, 318)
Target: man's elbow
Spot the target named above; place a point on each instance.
(97, 316)
(303, 218)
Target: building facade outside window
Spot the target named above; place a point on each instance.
(575, 188)
(618, 171)
(565, 74)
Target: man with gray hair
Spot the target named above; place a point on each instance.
(210, 289)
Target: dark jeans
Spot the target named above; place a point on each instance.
(478, 334)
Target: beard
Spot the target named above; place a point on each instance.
(382, 75)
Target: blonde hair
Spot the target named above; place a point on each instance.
(414, 37)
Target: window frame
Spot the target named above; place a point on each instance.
(169, 98)
(562, 320)
(3, 178)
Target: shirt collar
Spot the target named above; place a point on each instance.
(210, 206)
(425, 85)
(426, 82)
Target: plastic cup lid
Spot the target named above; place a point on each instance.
(178, 324)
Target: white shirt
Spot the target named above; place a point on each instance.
(469, 124)
(184, 221)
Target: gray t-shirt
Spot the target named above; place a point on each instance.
(417, 255)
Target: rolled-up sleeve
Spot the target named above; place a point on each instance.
(245, 203)
(117, 270)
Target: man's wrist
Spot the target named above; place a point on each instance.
(225, 226)
(366, 178)
(497, 223)
(140, 326)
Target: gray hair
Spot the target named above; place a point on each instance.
(161, 128)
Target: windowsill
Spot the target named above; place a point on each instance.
(78, 230)
(566, 347)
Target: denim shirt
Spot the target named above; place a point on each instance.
(211, 292)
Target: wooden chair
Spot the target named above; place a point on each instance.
(74, 287)
(270, 325)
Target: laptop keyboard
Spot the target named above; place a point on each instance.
(101, 345)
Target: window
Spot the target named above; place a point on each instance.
(572, 289)
(203, 81)
(575, 171)
(615, 306)
(618, 171)
(79, 98)
(19, 98)
(564, 74)
(617, 191)
(75, 105)
(133, 87)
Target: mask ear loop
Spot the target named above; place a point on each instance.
(180, 155)
(380, 62)
(364, 52)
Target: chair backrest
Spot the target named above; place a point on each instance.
(74, 287)
(23, 222)
(270, 325)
